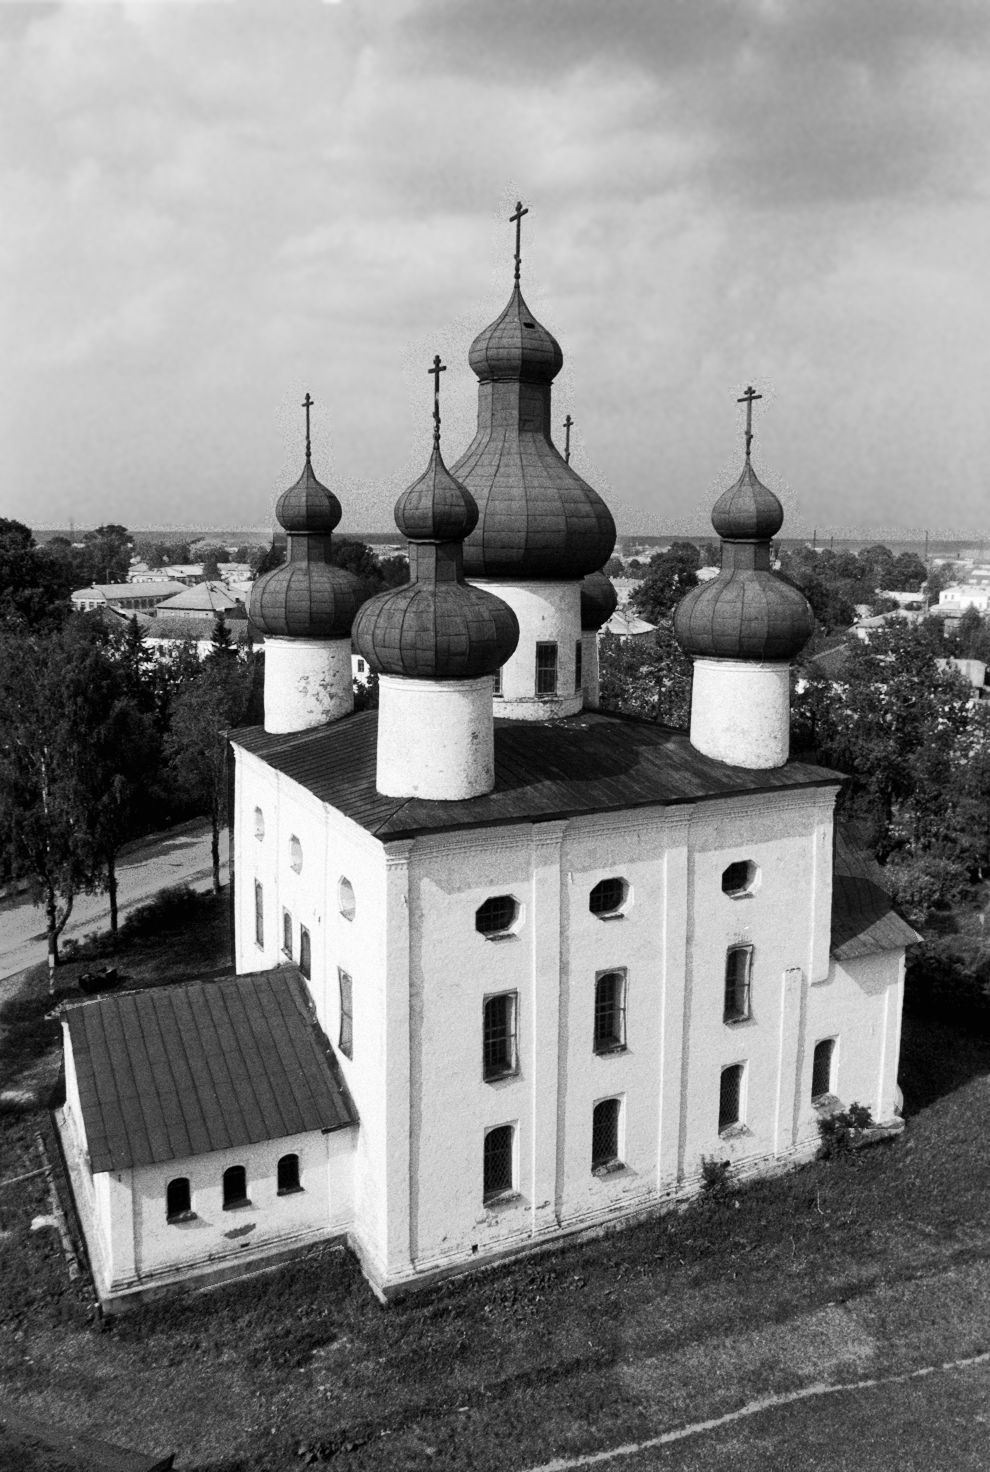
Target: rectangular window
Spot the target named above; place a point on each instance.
(259, 913)
(821, 1069)
(578, 658)
(305, 959)
(497, 681)
(499, 1036)
(610, 1012)
(287, 934)
(346, 1014)
(498, 1162)
(738, 968)
(235, 1187)
(546, 669)
(730, 1097)
(605, 1136)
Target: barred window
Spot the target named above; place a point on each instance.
(178, 1200)
(287, 933)
(730, 1096)
(821, 1068)
(605, 1135)
(497, 681)
(578, 659)
(346, 1042)
(546, 669)
(739, 878)
(498, 1162)
(608, 896)
(259, 913)
(497, 915)
(610, 1012)
(305, 958)
(235, 1187)
(738, 969)
(499, 1036)
(288, 1175)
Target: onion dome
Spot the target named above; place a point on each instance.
(599, 600)
(307, 598)
(537, 519)
(747, 612)
(436, 627)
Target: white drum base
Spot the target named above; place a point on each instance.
(435, 738)
(741, 712)
(308, 682)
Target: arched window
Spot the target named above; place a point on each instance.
(730, 1097)
(610, 1012)
(259, 824)
(178, 1200)
(288, 1175)
(295, 854)
(346, 902)
(821, 1068)
(605, 1135)
(738, 972)
(499, 1162)
(235, 1187)
(305, 957)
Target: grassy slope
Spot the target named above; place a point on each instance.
(843, 1269)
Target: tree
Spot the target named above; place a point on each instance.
(202, 713)
(222, 644)
(670, 575)
(34, 583)
(107, 553)
(908, 573)
(942, 576)
(613, 568)
(646, 677)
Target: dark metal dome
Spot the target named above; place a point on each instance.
(516, 346)
(744, 613)
(439, 631)
(748, 509)
(599, 600)
(307, 600)
(308, 506)
(436, 507)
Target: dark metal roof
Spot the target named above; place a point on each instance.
(587, 763)
(435, 630)
(308, 506)
(436, 507)
(748, 509)
(516, 346)
(599, 600)
(744, 614)
(864, 921)
(209, 1065)
(307, 599)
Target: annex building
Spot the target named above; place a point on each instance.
(507, 967)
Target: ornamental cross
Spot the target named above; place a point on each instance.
(749, 395)
(435, 373)
(517, 217)
(567, 439)
(307, 405)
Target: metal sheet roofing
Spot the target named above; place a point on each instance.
(209, 1065)
(588, 763)
(864, 921)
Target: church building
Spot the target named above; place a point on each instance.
(508, 968)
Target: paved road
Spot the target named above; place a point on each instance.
(180, 856)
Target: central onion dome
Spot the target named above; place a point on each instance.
(537, 519)
(599, 600)
(436, 627)
(747, 612)
(306, 597)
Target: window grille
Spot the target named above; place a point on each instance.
(738, 878)
(497, 681)
(305, 959)
(288, 1175)
(821, 1068)
(738, 969)
(498, 1161)
(578, 660)
(346, 1014)
(607, 896)
(610, 1012)
(730, 1096)
(178, 1199)
(259, 913)
(496, 915)
(235, 1187)
(287, 934)
(546, 669)
(605, 1134)
(499, 1035)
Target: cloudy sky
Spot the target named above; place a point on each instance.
(209, 208)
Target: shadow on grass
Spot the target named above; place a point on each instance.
(939, 1056)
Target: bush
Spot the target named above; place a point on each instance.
(843, 1131)
(716, 1176)
(171, 910)
(939, 982)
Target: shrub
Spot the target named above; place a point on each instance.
(171, 910)
(716, 1177)
(843, 1131)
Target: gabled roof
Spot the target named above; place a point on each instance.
(203, 598)
(864, 921)
(589, 763)
(182, 1070)
(112, 592)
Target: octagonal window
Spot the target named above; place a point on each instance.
(608, 897)
(740, 878)
(497, 916)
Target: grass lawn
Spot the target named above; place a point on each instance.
(869, 1264)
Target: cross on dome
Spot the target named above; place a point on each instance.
(307, 404)
(749, 394)
(567, 439)
(517, 217)
(435, 373)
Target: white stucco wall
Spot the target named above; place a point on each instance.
(307, 682)
(435, 738)
(590, 672)
(548, 613)
(740, 711)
